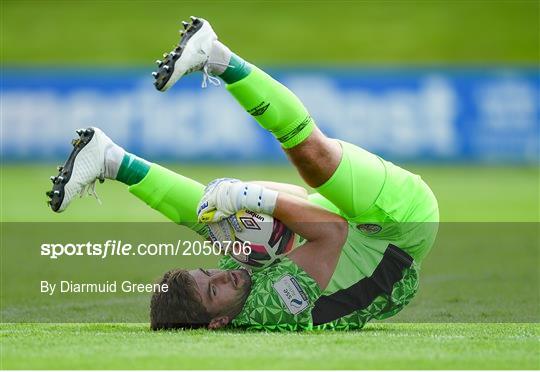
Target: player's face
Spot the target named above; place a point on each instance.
(223, 292)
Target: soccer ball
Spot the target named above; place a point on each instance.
(262, 240)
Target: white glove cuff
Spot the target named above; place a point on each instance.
(257, 198)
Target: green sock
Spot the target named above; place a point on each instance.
(173, 195)
(237, 70)
(274, 107)
(132, 170)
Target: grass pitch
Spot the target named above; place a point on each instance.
(477, 306)
(378, 346)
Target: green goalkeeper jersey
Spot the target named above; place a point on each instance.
(393, 220)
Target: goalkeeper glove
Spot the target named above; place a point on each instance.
(224, 197)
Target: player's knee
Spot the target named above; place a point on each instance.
(317, 158)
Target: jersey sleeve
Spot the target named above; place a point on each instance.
(282, 297)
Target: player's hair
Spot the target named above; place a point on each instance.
(180, 306)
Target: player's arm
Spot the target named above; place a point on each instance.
(324, 231)
(286, 188)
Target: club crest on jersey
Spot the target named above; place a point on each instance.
(369, 228)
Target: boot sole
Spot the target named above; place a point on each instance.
(56, 195)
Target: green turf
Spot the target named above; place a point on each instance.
(280, 32)
(388, 346)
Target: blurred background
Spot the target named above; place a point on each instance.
(447, 89)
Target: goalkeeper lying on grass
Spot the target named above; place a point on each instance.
(366, 230)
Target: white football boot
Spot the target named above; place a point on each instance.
(85, 165)
(190, 55)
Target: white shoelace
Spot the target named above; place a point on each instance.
(90, 189)
(209, 78)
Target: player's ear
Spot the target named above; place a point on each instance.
(219, 322)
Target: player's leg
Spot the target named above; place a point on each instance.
(173, 195)
(348, 176)
(323, 163)
(96, 157)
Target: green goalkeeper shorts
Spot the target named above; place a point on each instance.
(382, 201)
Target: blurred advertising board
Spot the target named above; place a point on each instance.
(451, 114)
